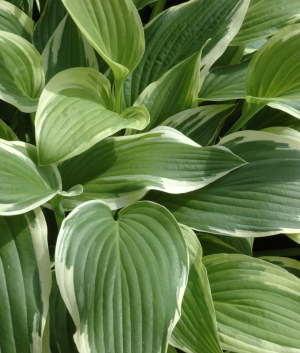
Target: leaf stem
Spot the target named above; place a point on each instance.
(119, 95)
(278, 252)
(58, 210)
(158, 8)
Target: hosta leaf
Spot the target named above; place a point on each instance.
(273, 75)
(175, 91)
(201, 124)
(291, 265)
(25, 282)
(243, 245)
(7, 111)
(274, 71)
(6, 132)
(114, 258)
(21, 72)
(60, 52)
(24, 185)
(290, 107)
(51, 17)
(255, 200)
(171, 349)
(114, 29)
(268, 117)
(121, 170)
(14, 20)
(225, 83)
(196, 330)
(75, 112)
(181, 31)
(254, 46)
(231, 56)
(61, 325)
(213, 245)
(266, 17)
(257, 304)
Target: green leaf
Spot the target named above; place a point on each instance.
(294, 237)
(51, 17)
(139, 4)
(23, 185)
(114, 257)
(225, 83)
(180, 32)
(130, 166)
(25, 279)
(6, 132)
(171, 349)
(243, 245)
(273, 72)
(231, 56)
(175, 91)
(61, 325)
(61, 54)
(113, 28)
(254, 46)
(196, 331)
(201, 124)
(14, 20)
(255, 200)
(291, 265)
(266, 17)
(262, 313)
(75, 112)
(213, 245)
(21, 72)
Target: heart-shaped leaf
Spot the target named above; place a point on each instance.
(75, 112)
(105, 267)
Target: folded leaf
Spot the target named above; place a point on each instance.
(180, 32)
(257, 304)
(25, 282)
(113, 257)
(21, 72)
(113, 28)
(121, 170)
(266, 17)
(6, 133)
(15, 21)
(225, 83)
(75, 112)
(23, 184)
(201, 124)
(60, 53)
(196, 331)
(257, 199)
(175, 91)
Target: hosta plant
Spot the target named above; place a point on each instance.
(144, 148)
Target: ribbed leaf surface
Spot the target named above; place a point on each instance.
(21, 72)
(25, 282)
(181, 31)
(196, 331)
(75, 112)
(122, 281)
(121, 170)
(257, 199)
(266, 17)
(201, 124)
(14, 20)
(23, 184)
(61, 54)
(113, 28)
(257, 304)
